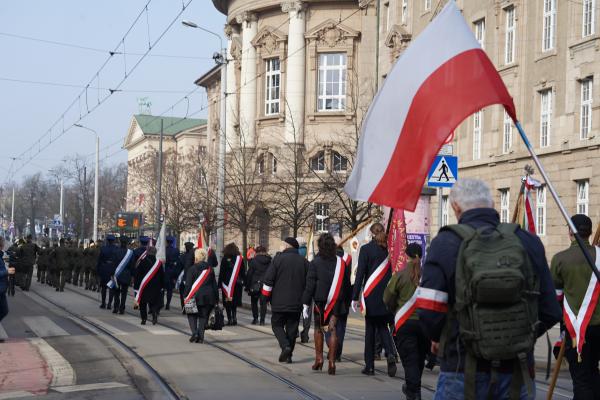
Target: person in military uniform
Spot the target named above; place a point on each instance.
(108, 260)
(171, 270)
(141, 249)
(123, 279)
(72, 260)
(85, 265)
(13, 263)
(93, 260)
(53, 271)
(61, 261)
(27, 255)
(572, 277)
(77, 262)
(42, 264)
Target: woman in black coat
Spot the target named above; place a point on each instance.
(206, 295)
(231, 285)
(254, 281)
(151, 295)
(327, 284)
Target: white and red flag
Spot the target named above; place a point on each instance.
(442, 77)
(201, 243)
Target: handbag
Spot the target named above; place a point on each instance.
(255, 288)
(191, 307)
(216, 320)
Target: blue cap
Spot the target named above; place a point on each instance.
(110, 238)
(170, 239)
(144, 239)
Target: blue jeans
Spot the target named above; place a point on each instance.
(451, 386)
(3, 306)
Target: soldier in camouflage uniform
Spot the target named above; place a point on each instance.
(42, 264)
(93, 259)
(85, 269)
(77, 263)
(61, 258)
(27, 256)
(53, 271)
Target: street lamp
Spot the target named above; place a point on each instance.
(95, 232)
(221, 60)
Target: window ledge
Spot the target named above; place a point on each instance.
(271, 118)
(508, 67)
(582, 43)
(335, 115)
(546, 54)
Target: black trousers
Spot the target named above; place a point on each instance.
(169, 290)
(254, 301)
(120, 296)
(230, 310)
(585, 375)
(103, 290)
(376, 326)
(198, 321)
(285, 328)
(412, 345)
(154, 308)
(28, 275)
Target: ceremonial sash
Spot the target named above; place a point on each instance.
(139, 260)
(151, 274)
(198, 283)
(266, 290)
(372, 283)
(577, 324)
(229, 289)
(336, 286)
(347, 258)
(180, 279)
(113, 282)
(405, 312)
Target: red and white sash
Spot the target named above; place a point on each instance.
(372, 283)
(198, 284)
(149, 275)
(577, 324)
(405, 312)
(347, 258)
(266, 290)
(229, 289)
(336, 286)
(141, 257)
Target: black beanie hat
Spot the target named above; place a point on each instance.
(292, 242)
(583, 224)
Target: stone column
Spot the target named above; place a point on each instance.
(233, 34)
(295, 72)
(247, 115)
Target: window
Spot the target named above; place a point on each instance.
(504, 205)
(261, 164)
(427, 5)
(444, 210)
(404, 11)
(388, 16)
(507, 133)
(589, 18)
(548, 25)
(540, 211)
(272, 80)
(583, 189)
(340, 163)
(586, 108)
(509, 35)
(480, 31)
(477, 122)
(274, 165)
(321, 217)
(332, 82)
(317, 163)
(545, 117)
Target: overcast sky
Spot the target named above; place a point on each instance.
(28, 110)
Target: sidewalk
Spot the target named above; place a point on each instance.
(23, 370)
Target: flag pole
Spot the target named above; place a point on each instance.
(554, 194)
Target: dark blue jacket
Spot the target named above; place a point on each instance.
(125, 277)
(438, 275)
(3, 274)
(371, 255)
(171, 263)
(108, 260)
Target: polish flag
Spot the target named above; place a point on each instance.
(443, 77)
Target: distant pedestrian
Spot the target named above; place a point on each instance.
(4, 273)
(284, 284)
(201, 288)
(231, 281)
(148, 287)
(27, 255)
(254, 281)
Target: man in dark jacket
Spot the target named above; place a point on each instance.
(284, 284)
(254, 279)
(172, 256)
(105, 268)
(122, 276)
(472, 203)
(186, 260)
(27, 255)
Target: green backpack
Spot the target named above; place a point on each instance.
(496, 303)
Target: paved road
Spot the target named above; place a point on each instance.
(62, 355)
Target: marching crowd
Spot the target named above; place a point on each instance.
(479, 299)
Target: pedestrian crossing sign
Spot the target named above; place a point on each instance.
(443, 172)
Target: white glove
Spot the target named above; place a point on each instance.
(305, 311)
(354, 305)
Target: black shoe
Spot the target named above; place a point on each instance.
(367, 371)
(115, 311)
(262, 322)
(193, 338)
(285, 354)
(229, 323)
(377, 357)
(234, 323)
(304, 338)
(143, 322)
(109, 306)
(289, 360)
(168, 307)
(391, 366)
(103, 306)
(121, 312)
(338, 359)
(198, 340)
(57, 289)
(154, 319)
(254, 321)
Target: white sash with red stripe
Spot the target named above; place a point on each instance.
(372, 283)
(336, 286)
(198, 284)
(405, 312)
(149, 275)
(229, 289)
(347, 258)
(266, 290)
(577, 324)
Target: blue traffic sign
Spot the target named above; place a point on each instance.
(443, 172)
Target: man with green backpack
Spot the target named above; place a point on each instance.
(486, 295)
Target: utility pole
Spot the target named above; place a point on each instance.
(61, 210)
(82, 233)
(12, 208)
(96, 180)
(160, 166)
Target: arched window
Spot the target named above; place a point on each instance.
(339, 162)
(273, 164)
(261, 164)
(317, 163)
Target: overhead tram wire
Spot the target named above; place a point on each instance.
(78, 99)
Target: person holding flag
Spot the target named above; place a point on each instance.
(149, 284)
(231, 281)
(120, 281)
(105, 268)
(186, 260)
(400, 297)
(201, 287)
(327, 284)
(374, 272)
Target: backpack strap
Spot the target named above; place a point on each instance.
(507, 229)
(464, 231)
